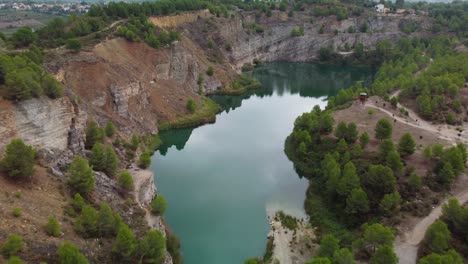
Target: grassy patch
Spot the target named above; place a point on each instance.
(242, 84)
(286, 220)
(205, 112)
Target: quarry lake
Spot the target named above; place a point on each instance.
(222, 179)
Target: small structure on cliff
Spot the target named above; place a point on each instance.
(363, 98)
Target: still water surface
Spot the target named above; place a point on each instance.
(222, 179)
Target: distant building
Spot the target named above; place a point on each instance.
(380, 8)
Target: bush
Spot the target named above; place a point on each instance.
(77, 202)
(68, 253)
(191, 106)
(52, 88)
(210, 71)
(125, 180)
(15, 260)
(383, 129)
(53, 227)
(94, 134)
(12, 245)
(152, 247)
(73, 44)
(145, 160)
(86, 223)
(437, 237)
(19, 159)
(158, 205)
(125, 242)
(17, 212)
(81, 176)
(109, 129)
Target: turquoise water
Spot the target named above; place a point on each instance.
(221, 179)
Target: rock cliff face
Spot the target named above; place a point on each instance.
(134, 85)
(275, 43)
(40, 122)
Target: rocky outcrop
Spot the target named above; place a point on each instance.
(275, 43)
(44, 123)
(41, 122)
(145, 191)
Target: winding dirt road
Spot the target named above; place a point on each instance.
(406, 245)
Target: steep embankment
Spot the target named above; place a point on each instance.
(275, 42)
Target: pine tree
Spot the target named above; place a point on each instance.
(68, 253)
(390, 203)
(125, 243)
(445, 175)
(97, 158)
(357, 202)
(145, 160)
(437, 237)
(364, 139)
(385, 147)
(349, 180)
(328, 246)
(105, 221)
(152, 247)
(19, 159)
(394, 162)
(86, 223)
(406, 146)
(94, 134)
(341, 130)
(376, 236)
(53, 227)
(384, 255)
(12, 245)
(81, 176)
(351, 133)
(109, 129)
(112, 161)
(343, 256)
(158, 205)
(125, 180)
(383, 129)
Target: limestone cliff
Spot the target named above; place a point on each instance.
(275, 43)
(41, 122)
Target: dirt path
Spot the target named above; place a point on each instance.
(406, 245)
(413, 119)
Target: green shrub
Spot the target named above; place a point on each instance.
(15, 260)
(145, 160)
(191, 106)
(81, 176)
(51, 86)
(158, 205)
(53, 227)
(152, 247)
(73, 44)
(210, 71)
(109, 129)
(94, 134)
(68, 253)
(125, 242)
(125, 180)
(19, 159)
(17, 212)
(12, 245)
(86, 223)
(77, 202)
